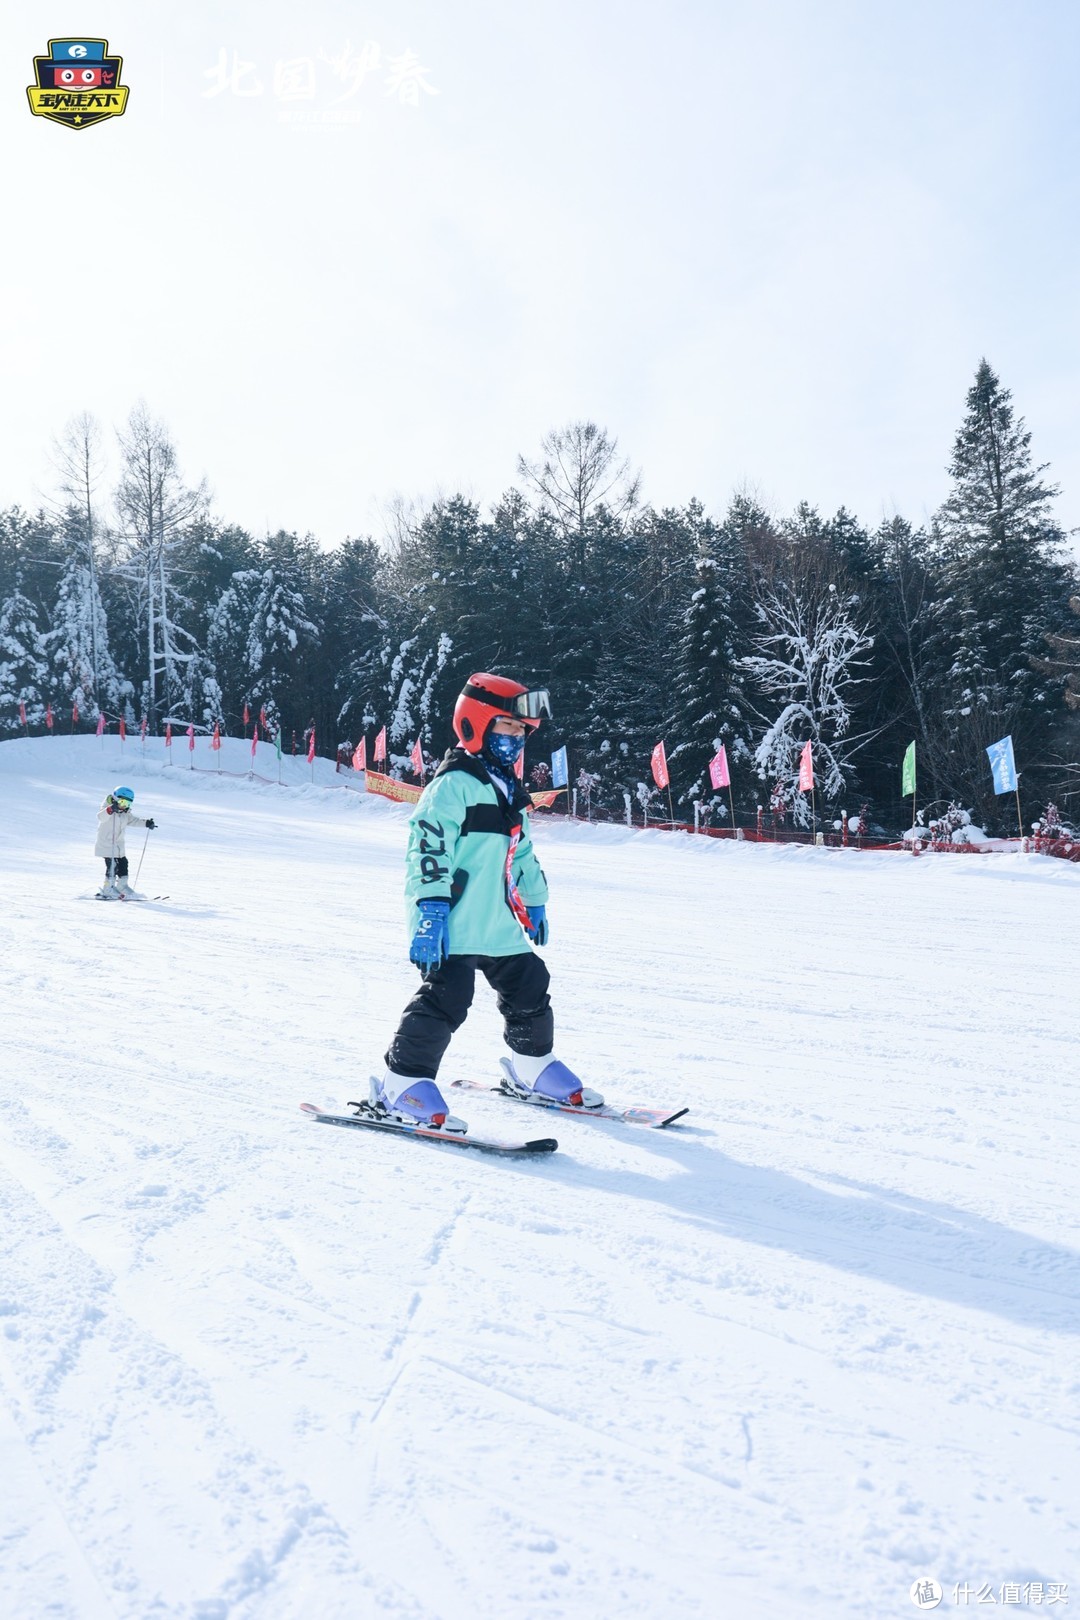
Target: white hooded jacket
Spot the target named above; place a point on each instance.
(111, 826)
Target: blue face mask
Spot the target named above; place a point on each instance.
(504, 750)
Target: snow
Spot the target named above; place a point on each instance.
(781, 1360)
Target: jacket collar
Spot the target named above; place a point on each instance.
(459, 759)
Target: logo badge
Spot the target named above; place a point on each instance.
(78, 83)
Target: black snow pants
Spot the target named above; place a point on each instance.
(441, 1005)
(115, 867)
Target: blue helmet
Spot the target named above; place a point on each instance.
(124, 793)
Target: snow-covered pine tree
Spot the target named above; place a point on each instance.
(415, 672)
(1004, 583)
(1065, 661)
(78, 644)
(354, 629)
(711, 705)
(280, 636)
(24, 670)
(229, 627)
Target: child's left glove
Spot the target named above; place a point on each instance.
(150, 823)
(538, 924)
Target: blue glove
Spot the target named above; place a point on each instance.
(431, 943)
(538, 924)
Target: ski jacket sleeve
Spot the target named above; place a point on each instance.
(434, 834)
(528, 873)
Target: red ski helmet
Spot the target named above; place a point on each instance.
(486, 697)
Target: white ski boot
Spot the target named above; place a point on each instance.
(413, 1102)
(532, 1078)
(124, 891)
(108, 891)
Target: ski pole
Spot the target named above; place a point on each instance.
(138, 869)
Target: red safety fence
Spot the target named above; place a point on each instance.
(1063, 848)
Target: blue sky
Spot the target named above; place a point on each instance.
(764, 244)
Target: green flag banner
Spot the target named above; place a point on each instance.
(907, 780)
(277, 743)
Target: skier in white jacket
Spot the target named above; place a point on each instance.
(114, 818)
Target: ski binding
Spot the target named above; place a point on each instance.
(654, 1118)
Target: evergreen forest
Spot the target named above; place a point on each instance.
(746, 628)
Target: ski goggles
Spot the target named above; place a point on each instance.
(533, 705)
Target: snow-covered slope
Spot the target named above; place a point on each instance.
(814, 1343)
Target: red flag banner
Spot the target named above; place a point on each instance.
(311, 748)
(390, 788)
(74, 715)
(659, 766)
(168, 734)
(48, 716)
(123, 729)
(262, 720)
(544, 799)
(359, 759)
(100, 725)
(22, 714)
(719, 775)
(416, 759)
(806, 770)
(247, 714)
(254, 738)
(380, 745)
(215, 741)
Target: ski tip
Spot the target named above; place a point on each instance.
(309, 1109)
(673, 1117)
(542, 1144)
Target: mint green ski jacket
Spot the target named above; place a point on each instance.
(460, 836)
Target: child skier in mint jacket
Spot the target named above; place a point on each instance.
(476, 899)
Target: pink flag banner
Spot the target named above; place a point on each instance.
(806, 770)
(311, 748)
(254, 738)
(22, 714)
(142, 728)
(74, 715)
(359, 759)
(659, 766)
(719, 775)
(190, 739)
(416, 759)
(100, 726)
(168, 734)
(48, 716)
(215, 741)
(380, 746)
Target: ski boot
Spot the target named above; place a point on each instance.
(413, 1102)
(124, 891)
(539, 1078)
(108, 891)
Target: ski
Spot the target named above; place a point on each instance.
(654, 1118)
(128, 899)
(367, 1120)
